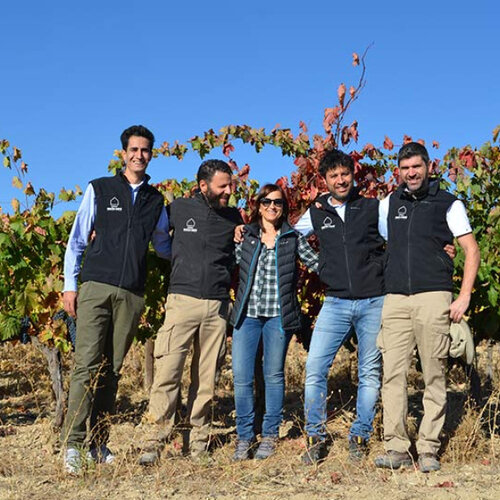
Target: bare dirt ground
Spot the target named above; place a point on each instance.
(30, 457)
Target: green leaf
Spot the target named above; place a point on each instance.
(493, 296)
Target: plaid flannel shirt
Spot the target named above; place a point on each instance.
(264, 298)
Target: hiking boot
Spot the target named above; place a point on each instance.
(428, 462)
(242, 450)
(151, 457)
(202, 457)
(394, 460)
(101, 455)
(153, 444)
(315, 451)
(267, 447)
(358, 448)
(75, 461)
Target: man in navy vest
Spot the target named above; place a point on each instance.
(123, 213)
(196, 311)
(351, 266)
(420, 219)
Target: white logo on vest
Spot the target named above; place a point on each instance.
(114, 205)
(401, 213)
(190, 226)
(327, 223)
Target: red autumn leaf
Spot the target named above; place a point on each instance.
(300, 161)
(435, 144)
(406, 139)
(276, 127)
(468, 158)
(233, 165)
(445, 484)
(485, 461)
(496, 131)
(243, 173)
(331, 115)
(388, 144)
(303, 126)
(282, 182)
(355, 59)
(352, 91)
(421, 141)
(345, 136)
(313, 192)
(341, 94)
(227, 149)
(369, 150)
(353, 131)
(356, 156)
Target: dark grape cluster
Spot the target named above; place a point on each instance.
(23, 334)
(70, 324)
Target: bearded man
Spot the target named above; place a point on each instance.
(196, 309)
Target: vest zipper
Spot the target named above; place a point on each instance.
(130, 215)
(246, 293)
(409, 252)
(203, 249)
(278, 276)
(345, 252)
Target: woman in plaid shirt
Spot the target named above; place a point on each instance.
(266, 309)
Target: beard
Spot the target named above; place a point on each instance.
(342, 198)
(216, 200)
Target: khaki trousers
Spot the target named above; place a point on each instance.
(188, 322)
(107, 322)
(422, 320)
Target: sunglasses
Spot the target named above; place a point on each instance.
(266, 202)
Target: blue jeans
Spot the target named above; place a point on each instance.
(333, 326)
(245, 344)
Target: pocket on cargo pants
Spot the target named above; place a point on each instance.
(441, 344)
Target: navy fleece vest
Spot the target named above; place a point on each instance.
(117, 255)
(286, 262)
(418, 232)
(351, 251)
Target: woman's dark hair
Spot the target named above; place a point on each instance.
(264, 191)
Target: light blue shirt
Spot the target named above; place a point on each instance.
(83, 226)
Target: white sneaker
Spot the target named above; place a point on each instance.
(74, 461)
(101, 455)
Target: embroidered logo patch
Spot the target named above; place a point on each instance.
(327, 223)
(190, 226)
(401, 213)
(114, 205)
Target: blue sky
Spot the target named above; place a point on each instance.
(74, 75)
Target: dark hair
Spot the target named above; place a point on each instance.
(264, 191)
(413, 149)
(138, 131)
(333, 159)
(209, 167)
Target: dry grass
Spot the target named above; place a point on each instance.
(30, 462)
